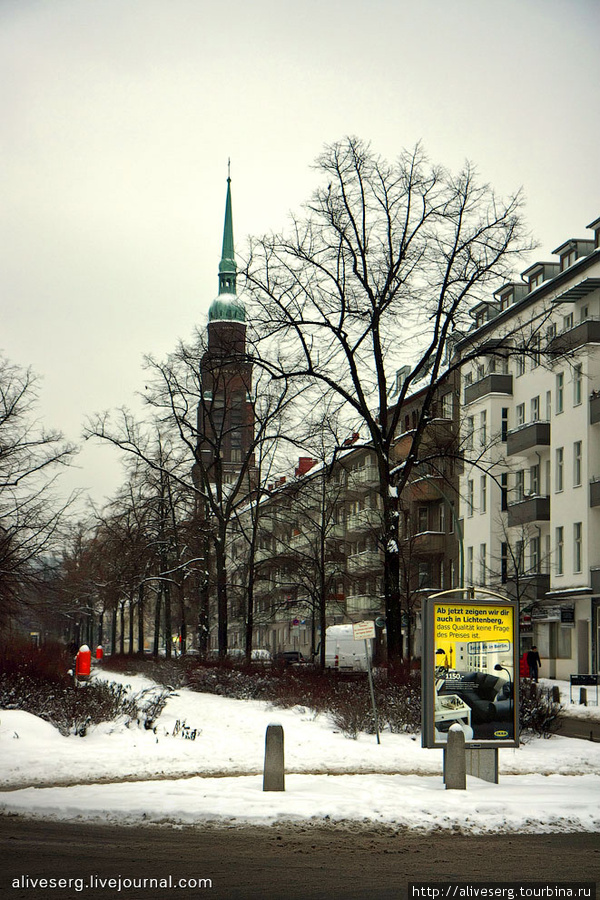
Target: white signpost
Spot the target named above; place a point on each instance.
(364, 631)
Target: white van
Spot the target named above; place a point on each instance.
(343, 652)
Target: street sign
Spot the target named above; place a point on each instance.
(362, 631)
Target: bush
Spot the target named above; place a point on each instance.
(538, 713)
(36, 681)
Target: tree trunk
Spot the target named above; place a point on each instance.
(157, 621)
(168, 621)
(222, 622)
(113, 637)
(131, 615)
(140, 621)
(122, 623)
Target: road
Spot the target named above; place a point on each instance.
(312, 863)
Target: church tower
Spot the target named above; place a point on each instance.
(225, 412)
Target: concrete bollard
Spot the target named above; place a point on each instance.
(555, 693)
(455, 761)
(274, 771)
(583, 696)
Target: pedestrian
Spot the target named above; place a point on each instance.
(534, 662)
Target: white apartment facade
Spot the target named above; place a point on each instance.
(530, 490)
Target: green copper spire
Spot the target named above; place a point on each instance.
(227, 266)
(227, 306)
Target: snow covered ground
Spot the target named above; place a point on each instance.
(127, 775)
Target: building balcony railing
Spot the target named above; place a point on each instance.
(363, 479)
(494, 383)
(595, 408)
(531, 509)
(363, 562)
(360, 603)
(528, 587)
(423, 490)
(581, 333)
(595, 491)
(527, 437)
(363, 520)
(427, 543)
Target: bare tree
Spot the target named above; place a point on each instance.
(205, 432)
(31, 515)
(376, 275)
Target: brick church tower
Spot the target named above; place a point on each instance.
(225, 411)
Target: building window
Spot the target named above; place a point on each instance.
(568, 322)
(447, 406)
(483, 497)
(503, 562)
(577, 546)
(534, 554)
(520, 412)
(535, 409)
(483, 428)
(470, 497)
(560, 392)
(504, 491)
(482, 563)
(534, 479)
(442, 518)
(469, 430)
(548, 405)
(470, 565)
(577, 385)
(520, 485)
(535, 350)
(560, 550)
(504, 425)
(560, 465)
(577, 464)
(520, 362)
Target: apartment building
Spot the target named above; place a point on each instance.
(319, 538)
(530, 489)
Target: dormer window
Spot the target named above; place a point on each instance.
(568, 259)
(506, 300)
(535, 280)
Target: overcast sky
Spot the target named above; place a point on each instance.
(117, 118)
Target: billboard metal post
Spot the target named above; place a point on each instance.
(366, 631)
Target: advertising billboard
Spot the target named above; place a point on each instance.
(470, 668)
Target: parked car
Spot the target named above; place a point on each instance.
(289, 658)
(261, 657)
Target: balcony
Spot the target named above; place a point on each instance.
(362, 603)
(531, 509)
(494, 383)
(595, 579)
(595, 408)
(366, 561)
(423, 490)
(527, 437)
(595, 492)
(427, 543)
(363, 479)
(363, 520)
(527, 587)
(586, 332)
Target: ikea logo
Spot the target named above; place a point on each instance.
(501, 734)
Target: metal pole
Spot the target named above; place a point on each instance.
(372, 690)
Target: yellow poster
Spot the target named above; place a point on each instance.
(474, 669)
